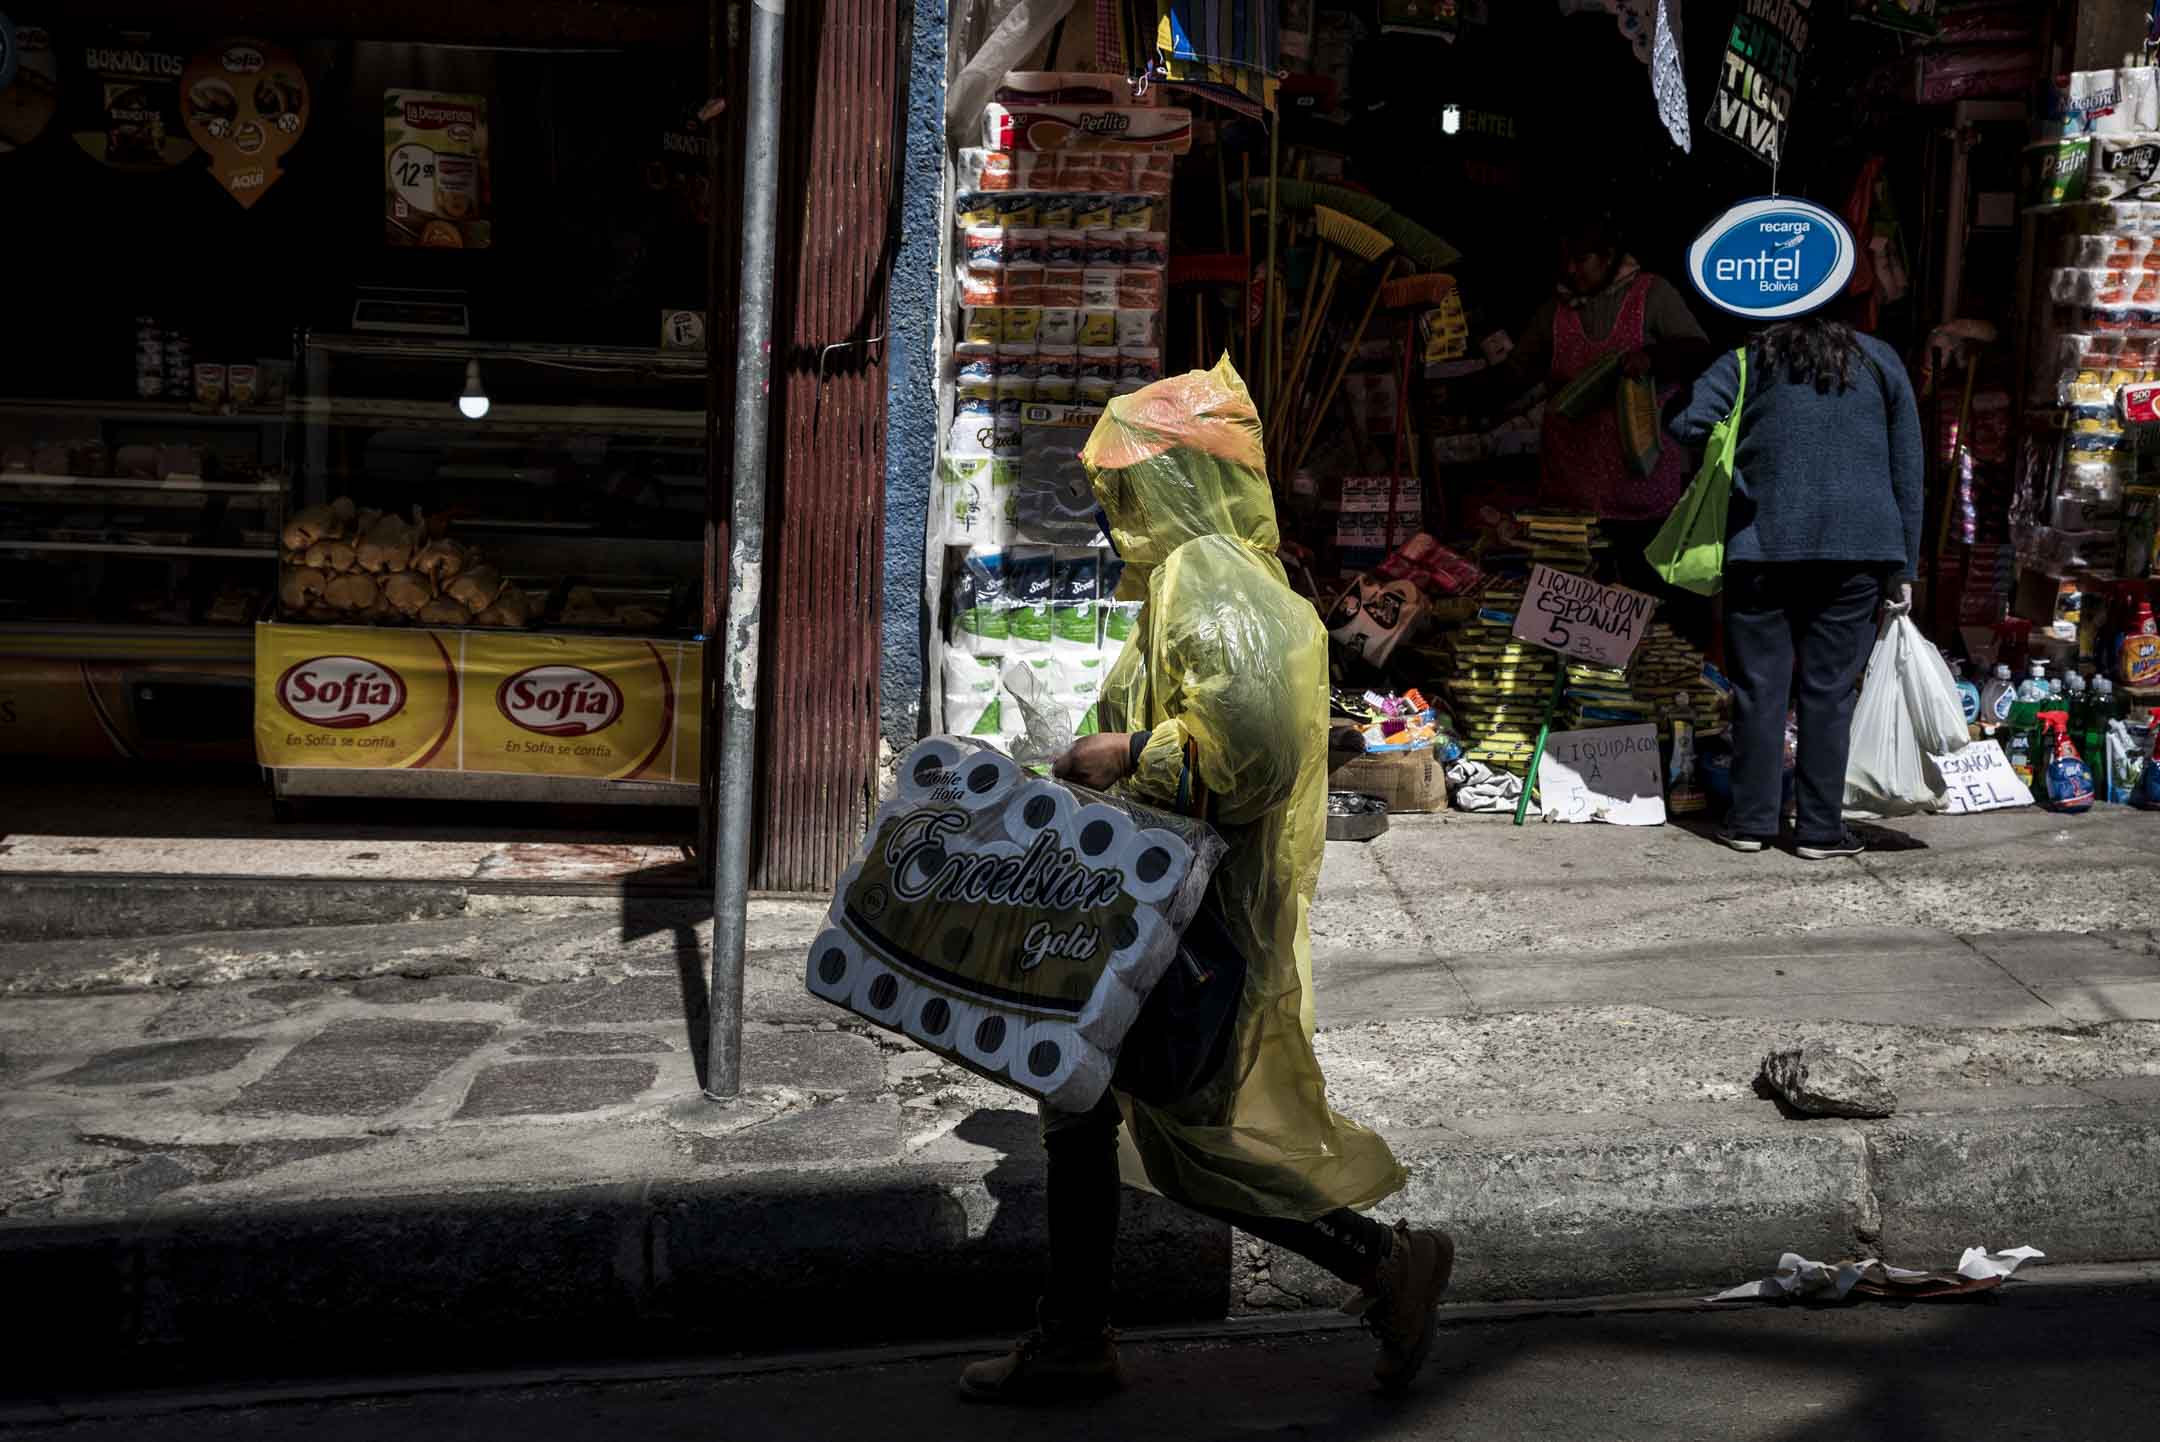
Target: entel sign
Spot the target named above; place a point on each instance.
(1771, 258)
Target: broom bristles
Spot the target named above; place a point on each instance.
(1351, 235)
(1413, 291)
(1430, 251)
(1210, 270)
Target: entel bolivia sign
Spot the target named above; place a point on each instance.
(1772, 258)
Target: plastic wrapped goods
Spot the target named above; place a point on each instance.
(1052, 504)
(1011, 924)
(1226, 669)
(974, 689)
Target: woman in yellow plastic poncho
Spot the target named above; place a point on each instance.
(1218, 708)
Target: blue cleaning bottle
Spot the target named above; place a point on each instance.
(1968, 696)
(2069, 779)
(1998, 698)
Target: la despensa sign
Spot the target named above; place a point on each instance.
(1771, 258)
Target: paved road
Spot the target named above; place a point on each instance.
(2040, 1361)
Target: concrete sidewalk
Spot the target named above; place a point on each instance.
(481, 1129)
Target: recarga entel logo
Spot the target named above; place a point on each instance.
(1770, 258)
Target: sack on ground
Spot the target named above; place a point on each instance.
(1009, 923)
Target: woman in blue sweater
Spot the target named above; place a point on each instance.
(1824, 529)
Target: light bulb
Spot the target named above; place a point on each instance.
(474, 402)
(1451, 120)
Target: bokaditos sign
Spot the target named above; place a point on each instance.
(341, 693)
(560, 700)
(1771, 258)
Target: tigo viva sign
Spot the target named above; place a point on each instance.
(1771, 258)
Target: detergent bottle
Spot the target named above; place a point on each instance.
(2035, 686)
(1998, 698)
(2069, 784)
(2099, 711)
(2146, 792)
(2140, 660)
(1968, 695)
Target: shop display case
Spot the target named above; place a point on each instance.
(490, 585)
(138, 542)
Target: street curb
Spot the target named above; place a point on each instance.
(45, 906)
(761, 1263)
(752, 1262)
(1657, 1209)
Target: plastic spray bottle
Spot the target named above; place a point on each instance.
(2069, 785)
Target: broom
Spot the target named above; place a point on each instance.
(1342, 369)
(1200, 271)
(1342, 236)
(1430, 251)
(1244, 305)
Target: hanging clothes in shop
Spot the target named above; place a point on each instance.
(1224, 50)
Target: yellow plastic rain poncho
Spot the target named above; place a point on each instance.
(1227, 671)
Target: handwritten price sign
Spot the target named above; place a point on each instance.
(1581, 619)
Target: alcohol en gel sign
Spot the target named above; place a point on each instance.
(1772, 258)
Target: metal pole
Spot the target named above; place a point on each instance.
(1537, 752)
(746, 552)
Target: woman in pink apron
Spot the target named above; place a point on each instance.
(1606, 304)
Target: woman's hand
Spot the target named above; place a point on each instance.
(1097, 762)
(1898, 601)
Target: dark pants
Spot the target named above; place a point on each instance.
(1083, 1203)
(1805, 627)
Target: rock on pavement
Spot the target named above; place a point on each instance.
(1824, 1080)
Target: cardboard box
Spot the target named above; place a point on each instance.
(1408, 781)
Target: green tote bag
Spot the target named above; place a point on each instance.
(1689, 551)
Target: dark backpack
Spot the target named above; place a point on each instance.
(1185, 1026)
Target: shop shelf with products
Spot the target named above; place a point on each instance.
(511, 539)
(137, 542)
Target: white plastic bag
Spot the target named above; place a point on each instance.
(1886, 773)
(1931, 694)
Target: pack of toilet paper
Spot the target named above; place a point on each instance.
(1010, 922)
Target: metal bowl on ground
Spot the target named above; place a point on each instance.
(1354, 816)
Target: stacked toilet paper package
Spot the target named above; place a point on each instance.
(1062, 254)
(1010, 923)
(1033, 624)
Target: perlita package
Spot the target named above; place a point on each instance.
(1009, 923)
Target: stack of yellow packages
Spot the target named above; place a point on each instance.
(1561, 541)
(1600, 696)
(1668, 673)
(1499, 685)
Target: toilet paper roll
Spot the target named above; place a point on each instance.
(986, 779)
(1037, 807)
(933, 1018)
(1139, 945)
(1157, 865)
(927, 764)
(834, 967)
(1110, 1013)
(1100, 833)
(880, 994)
(985, 1037)
(1053, 1062)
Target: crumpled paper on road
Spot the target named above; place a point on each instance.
(1797, 1277)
